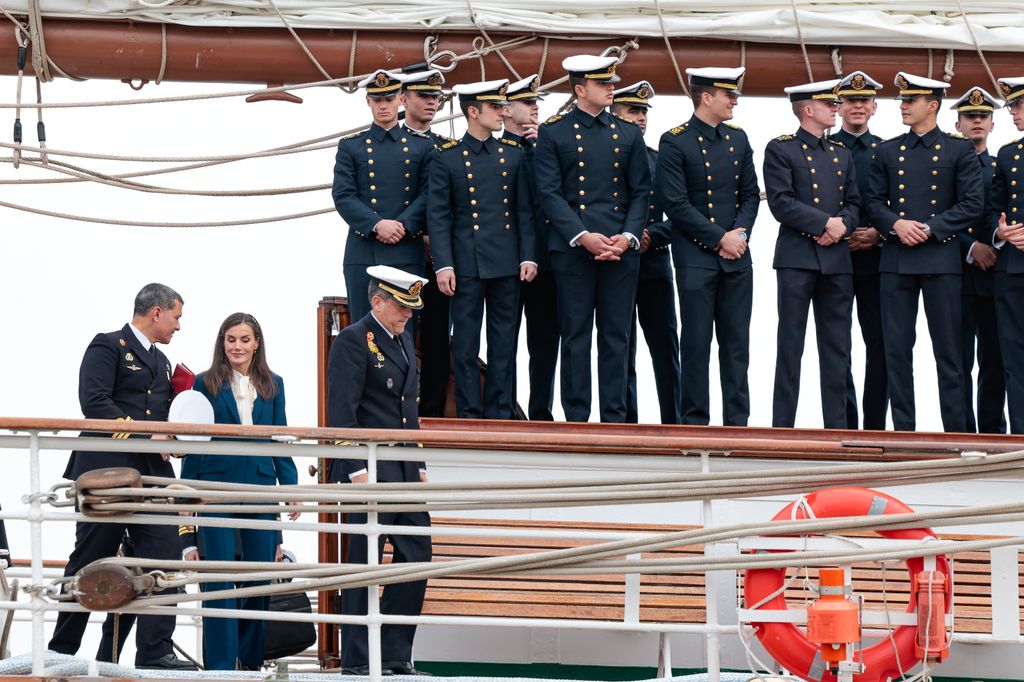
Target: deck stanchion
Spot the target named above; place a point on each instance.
(36, 535)
(373, 623)
(710, 588)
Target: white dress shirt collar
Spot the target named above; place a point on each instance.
(146, 343)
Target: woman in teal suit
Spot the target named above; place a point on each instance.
(242, 390)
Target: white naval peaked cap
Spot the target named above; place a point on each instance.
(825, 90)
(381, 83)
(976, 100)
(191, 407)
(482, 91)
(591, 66)
(638, 94)
(912, 86)
(727, 78)
(858, 84)
(429, 81)
(525, 89)
(1012, 88)
(405, 287)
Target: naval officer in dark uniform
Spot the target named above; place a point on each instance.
(594, 183)
(538, 299)
(975, 110)
(925, 188)
(812, 191)
(478, 209)
(420, 99)
(707, 186)
(655, 289)
(372, 383)
(1006, 213)
(125, 377)
(379, 178)
(857, 104)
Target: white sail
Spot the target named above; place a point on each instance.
(938, 24)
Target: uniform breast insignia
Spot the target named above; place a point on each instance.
(123, 343)
(375, 349)
(679, 129)
(510, 143)
(129, 357)
(554, 119)
(784, 138)
(391, 383)
(134, 368)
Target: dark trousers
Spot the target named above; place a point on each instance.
(435, 345)
(398, 599)
(228, 639)
(719, 303)
(607, 291)
(942, 300)
(99, 541)
(1009, 295)
(501, 297)
(539, 301)
(868, 296)
(357, 284)
(656, 311)
(832, 297)
(979, 322)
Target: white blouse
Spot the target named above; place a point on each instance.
(245, 396)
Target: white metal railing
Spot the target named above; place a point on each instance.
(1005, 569)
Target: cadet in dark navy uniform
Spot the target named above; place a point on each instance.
(124, 376)
(655, 294)
(707, 186)
(538, 299)
(974, 121)
(594, 183)
(478, 209)
(1006, 212)
(379, 180)
(857, 105)
(372, 383)
(925, 188)
(812, 191)
(421, 96)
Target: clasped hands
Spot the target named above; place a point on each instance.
(602, 247)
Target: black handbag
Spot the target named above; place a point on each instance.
(287, 638)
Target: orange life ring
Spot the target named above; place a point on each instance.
(789, 645)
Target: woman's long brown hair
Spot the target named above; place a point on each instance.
(259, 373)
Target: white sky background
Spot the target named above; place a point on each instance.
(61, 281)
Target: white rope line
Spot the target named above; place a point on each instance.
(479, 23)
(300, 42)
(163, 54)
(977, 46)
(668, 48)
(35, 24)
(144, 223)
(800, 37)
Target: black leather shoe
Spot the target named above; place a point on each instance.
(364, 670)
(404, 668)
(168, 662)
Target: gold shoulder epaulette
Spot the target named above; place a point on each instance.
(891, 139)
(448, 145)
(734, 127)
(510, 143)
(554, 119)
(623, 118)
(837, 142)
(417, 133)
(956, 136)
(679, 129)
(784, 138)
(1017, 141)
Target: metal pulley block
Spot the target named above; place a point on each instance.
(105, 479)
(105, 587)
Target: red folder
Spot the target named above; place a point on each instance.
(182, 379)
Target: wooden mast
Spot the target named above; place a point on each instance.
(126, 50)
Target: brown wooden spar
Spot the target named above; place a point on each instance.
(132, 51)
